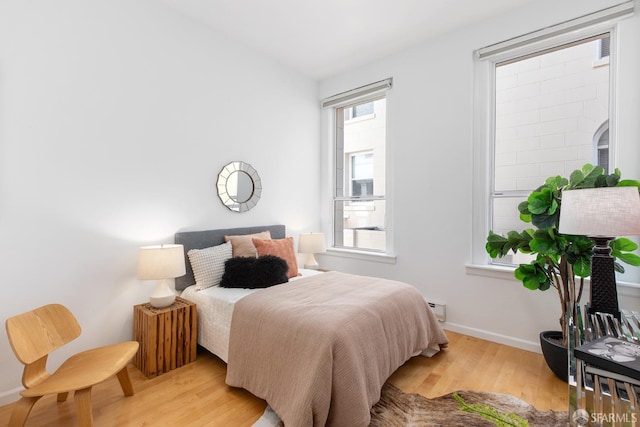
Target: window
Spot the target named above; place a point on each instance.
(604, 47)
(361, 165)
(548, 106)
(543, 103)
(359, 214)
(601, 141)
(361, 110)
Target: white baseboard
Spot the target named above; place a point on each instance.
(533, 346)
(10, 396)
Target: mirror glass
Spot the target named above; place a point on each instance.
(239, 186)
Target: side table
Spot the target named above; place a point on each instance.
(167, 336)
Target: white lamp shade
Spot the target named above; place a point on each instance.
(311, 243)
(161, 262)
(600, 212)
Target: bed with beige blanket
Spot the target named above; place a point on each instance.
(318, 349)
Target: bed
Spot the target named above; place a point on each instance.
(318, 348)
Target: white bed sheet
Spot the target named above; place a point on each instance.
(215, 309)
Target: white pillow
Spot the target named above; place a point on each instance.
(208, 264)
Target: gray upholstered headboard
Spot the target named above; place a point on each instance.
(207, 238)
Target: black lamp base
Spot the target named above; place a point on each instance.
(604, 294)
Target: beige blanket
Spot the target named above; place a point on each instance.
(319, 349)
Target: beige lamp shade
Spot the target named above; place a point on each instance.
(161, 262)
(600, 212)
(310, 244)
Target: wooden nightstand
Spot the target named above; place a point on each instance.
(167, 336)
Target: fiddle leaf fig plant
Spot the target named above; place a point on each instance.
(561, 261)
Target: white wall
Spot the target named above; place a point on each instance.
(115, 119)
(430, 119)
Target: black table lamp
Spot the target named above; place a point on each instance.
(602, 214)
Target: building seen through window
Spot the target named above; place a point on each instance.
(359, 202)
(551, 117)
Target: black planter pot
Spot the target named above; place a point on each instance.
(555, 354)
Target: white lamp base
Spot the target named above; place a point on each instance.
(162, 295)
(311, 262)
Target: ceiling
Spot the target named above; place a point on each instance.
(324, 38)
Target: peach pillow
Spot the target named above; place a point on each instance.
(242, 245)
(282, 248)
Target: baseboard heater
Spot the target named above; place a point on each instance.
(440, 310)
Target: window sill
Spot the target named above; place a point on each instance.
(361, 255)
(600, 62)
(495, 271)
(506, 273)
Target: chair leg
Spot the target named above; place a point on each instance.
(125, 382)
(63, 396)
(83, 407)
(21, 411)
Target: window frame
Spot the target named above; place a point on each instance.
(342, 189)
(371, 92)
(485, 122)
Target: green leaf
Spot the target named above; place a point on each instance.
(544, 285)
(578, 245)
(494, 237)
(586, 168)
(555, 182)
(631, 259)
(623, 244)
(546, 221)
(576, 178)
(523, 207)
(601, 181)
(525, 218)
(544, 246)
(519, 241)
(591, 176)
(612, 180)
(621, 248)
(540, 202)
(628, 183)
(532, 277)
(582, 267)
(530, 282)
(523, 271)
(496, 245)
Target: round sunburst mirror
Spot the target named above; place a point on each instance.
(239, 186)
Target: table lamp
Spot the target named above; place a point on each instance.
(161, 262)
(310, 244)
(602, 214)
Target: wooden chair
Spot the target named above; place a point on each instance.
(35, 334)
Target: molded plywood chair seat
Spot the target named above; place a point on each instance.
(37, 333)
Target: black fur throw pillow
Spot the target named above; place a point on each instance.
(251, 273)
(239, 272)
(271, 270)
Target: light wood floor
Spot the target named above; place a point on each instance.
(196, 394)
